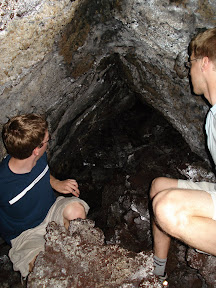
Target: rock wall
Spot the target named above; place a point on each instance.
(204, 264)
(55, 56)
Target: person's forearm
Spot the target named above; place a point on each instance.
(53, 182)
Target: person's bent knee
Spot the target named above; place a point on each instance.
(155, 186)
(74, 210)
(160, 205)
(168, 213)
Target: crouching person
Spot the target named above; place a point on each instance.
(27, 199)
(184, 209)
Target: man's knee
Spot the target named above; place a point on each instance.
(162, 183)
(160, 205)
(74, 210)
(155, 186)
(168, 211)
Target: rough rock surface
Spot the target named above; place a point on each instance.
(79, 258)
(204, 264)
(27, 32)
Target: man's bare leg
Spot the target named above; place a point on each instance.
(187, 215)
(31, 264)
(73, 211)
(161, 240)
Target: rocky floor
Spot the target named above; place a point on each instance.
(136, 146)
(8, 278)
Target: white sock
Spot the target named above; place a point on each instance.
(159, 266)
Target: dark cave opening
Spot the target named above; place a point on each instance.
(116, 152)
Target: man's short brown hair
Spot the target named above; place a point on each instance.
(204, 44)
(23, 133)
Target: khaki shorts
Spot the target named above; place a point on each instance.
(205, 186)
(31, 242)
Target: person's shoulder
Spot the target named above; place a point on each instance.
(44, 157)
(41, 162)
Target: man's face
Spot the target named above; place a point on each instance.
(196, 75)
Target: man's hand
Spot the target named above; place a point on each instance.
(65, 186)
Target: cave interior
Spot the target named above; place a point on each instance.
(114, 153)
(117, 150)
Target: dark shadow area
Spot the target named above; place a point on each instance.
(115, 154)
(123, 140)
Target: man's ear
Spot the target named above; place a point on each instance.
(205, 63)
(35, 152)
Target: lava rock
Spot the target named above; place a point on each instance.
(79, 258)
(205, 264)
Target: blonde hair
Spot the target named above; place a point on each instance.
(23, 133)
(204, 44)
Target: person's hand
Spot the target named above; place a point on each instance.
(65, 186)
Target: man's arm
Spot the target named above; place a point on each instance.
(65, 186)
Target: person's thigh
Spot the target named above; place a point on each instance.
(180, 203)
(29, 243)
(195, 202)
(162, 183)
(206, 187)
(187, 215)
(188, 184)
(26, 247)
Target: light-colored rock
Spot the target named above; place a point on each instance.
(28, 31)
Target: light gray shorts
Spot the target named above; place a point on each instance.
(31, 242)
(205, 186)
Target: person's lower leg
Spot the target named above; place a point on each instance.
(161, 249)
